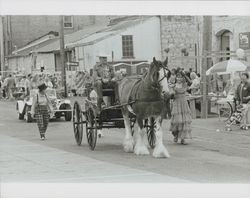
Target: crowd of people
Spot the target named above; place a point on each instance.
(13, 84)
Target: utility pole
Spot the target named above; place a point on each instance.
(206, 47)
(62, 54)
(1, 46)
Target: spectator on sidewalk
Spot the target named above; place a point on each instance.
(34, 81)
(27, 85)
(242, 95)
(5, 88)
(11, 85)
(48, 83)
(195, 86)
(1, 87)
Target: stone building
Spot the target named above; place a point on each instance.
(180, 37)
(230, 33)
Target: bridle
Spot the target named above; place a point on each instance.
(165, 73)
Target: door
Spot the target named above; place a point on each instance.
(225, 44)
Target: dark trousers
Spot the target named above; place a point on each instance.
(99, 86)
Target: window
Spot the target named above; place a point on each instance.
(68, 22)
(127, 46)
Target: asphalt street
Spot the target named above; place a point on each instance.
(212, 156)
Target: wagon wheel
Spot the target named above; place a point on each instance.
(150, 129)
(225, 111)
(77, 123)
(91, 128)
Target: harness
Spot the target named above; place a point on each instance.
(134, 95)
(165, 74)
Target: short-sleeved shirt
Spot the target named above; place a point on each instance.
(27, 84)
(11, 83)
(103, 71)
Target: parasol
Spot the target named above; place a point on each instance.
(229, 66)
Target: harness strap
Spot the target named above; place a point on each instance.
(37, 100)
(133, 92)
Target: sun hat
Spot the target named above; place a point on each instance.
(42, 86)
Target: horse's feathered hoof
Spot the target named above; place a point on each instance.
(141, 150)
(128, 145)
(161, 152)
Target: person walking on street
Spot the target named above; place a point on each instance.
(181, 115)
(11, 84)
(41, 109)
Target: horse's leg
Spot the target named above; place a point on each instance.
(140, 147)
(159, 150)
(128, 143)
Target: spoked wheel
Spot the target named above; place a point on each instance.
(77, 123)
(91, 128)
(150, 126)
(68, 114)
(225, 111)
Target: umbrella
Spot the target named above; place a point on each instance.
(228, 66)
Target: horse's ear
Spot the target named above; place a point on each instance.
(154, 60)
(165, 63)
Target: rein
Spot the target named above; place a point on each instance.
(157, 85)
(165, 74)
(153, 87)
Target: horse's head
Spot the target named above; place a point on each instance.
(159, 75)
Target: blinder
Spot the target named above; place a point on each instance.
(156, 84)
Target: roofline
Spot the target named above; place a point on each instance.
(49, 33)
(92, 42)
(102, 38)
(33, 44)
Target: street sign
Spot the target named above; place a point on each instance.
(73, 64)
(244, 40)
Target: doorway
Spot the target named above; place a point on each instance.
(225, 44)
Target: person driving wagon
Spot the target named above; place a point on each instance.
(103, 78)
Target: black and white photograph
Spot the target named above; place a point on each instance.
(153, 99)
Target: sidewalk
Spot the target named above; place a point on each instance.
(24, 161)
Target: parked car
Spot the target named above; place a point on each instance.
(61, 107)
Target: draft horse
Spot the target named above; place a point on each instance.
(144, 99)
